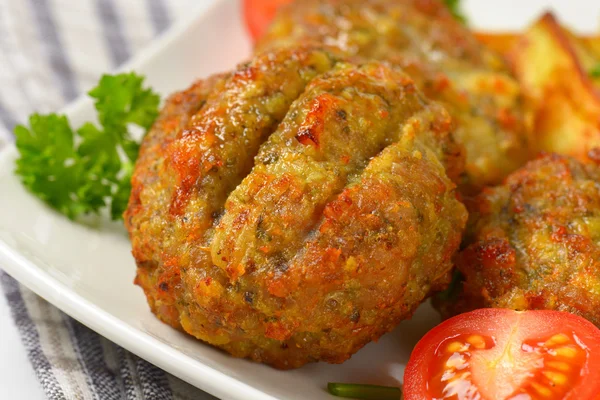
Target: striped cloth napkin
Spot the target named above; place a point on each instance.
(50, 52)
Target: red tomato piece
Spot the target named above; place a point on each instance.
(497, 354)
(259, 14)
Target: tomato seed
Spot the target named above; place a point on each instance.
(559, 338)
(476, 341)
(565, 351)
(559, 365)
(455, 347)
(556, 377)
(543, 390)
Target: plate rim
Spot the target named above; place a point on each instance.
(103, 322)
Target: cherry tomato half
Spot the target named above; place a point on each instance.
(259, 14)
(497, 354)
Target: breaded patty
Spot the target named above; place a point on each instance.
(535, 242)
(198, 151)
(441, 55)
(298, 209)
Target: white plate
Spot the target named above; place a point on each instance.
(88, 271)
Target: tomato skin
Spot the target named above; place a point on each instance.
(497, 323)
(259, 14)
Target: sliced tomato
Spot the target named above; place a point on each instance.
(497, 354)
(259, 14)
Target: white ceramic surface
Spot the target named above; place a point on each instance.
(87, 271)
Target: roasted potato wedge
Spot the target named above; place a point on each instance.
(554, 69)
(592, 44)
(503, 43)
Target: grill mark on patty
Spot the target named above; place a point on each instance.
(281, 201)
(198, 151)
(222, 140)
(381, 207)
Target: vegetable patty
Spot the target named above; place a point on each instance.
(443, 57)
(297, 208)
(534, 242)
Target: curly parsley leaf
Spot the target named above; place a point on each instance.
(121, 100)
(81, 172)
(454, 7)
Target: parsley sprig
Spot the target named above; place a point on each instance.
(595, 72)
(81, 172)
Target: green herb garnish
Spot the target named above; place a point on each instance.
(367, 392)
(454, 7)
(81, 172)
(595, 72)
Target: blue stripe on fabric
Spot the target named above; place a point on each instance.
(159, 14)
(30, 337)
(116, 41)
(127, 374)
(101, 380)
(6, 118)
(59, 61)
(139, 375)
(153, 381)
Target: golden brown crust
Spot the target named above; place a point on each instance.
(553, 67)
(200, 148)
(344, 225)
(446, 61)
(175, 116)
(536, 242)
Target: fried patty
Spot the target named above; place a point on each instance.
(297, 208)
(198, 151)
(442, 56)
(535, 242)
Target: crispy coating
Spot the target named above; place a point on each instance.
(340, 227)
(199, 150)
(143, 218)
(535, 242)
(441, 55)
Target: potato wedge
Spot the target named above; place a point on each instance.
(553, 67)
(592, 45)
(501, 43)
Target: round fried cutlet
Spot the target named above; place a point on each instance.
(297, 208)
(535, 242)
(443, 57)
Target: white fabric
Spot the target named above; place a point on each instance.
(29, 82)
